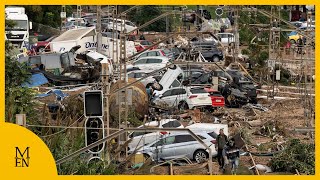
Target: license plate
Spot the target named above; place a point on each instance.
(218, 100)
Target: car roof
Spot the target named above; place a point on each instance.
(226, 33)
(204, 43)
(155, 123)
(140, 71)
(151, 50)
(177, 133)
(154, 57)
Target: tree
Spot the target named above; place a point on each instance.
(46, 15)
(144, 14)
(18, 99)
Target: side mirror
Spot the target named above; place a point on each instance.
(30, 25)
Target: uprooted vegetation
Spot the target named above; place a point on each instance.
(297, 156)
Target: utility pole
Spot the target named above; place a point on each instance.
(236, 34)
(274, 44)
(63, 17)
(167, 24)
(98, 27)
(78, 14)
(124, 80)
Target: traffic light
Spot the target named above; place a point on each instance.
(93, 103)
(94, 131)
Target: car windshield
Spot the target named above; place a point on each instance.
(197, 91)
(70, 23)
(139, 75)
(135, 134)
(213, 135)
(167, 51)
(145, 43)
(247, 85)
(19, 25)
(293, 33)
(215, 93)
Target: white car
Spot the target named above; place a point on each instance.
(226, 38)
(172, 78)
(138, 74)
(185, 98)
(140, 139)
(157, 52)
(180, 144)
(128, 25)
(151, 63)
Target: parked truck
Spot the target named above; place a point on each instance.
(18, 35)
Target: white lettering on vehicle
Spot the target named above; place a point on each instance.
(92, 45)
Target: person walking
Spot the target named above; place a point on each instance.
(221, 143)
(150, 93)
(233, 155)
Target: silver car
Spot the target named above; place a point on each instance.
(180, 145)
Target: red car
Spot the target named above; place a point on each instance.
(142, 44)
(42, 46)
(216, 97)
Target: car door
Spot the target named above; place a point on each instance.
(155, 64)
(180, 95)
(170, 99)
(140, 62)
(166, 150)
(182, 144)
(165, 99)
(185, 145)
(207, 52)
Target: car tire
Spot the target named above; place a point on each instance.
(200, 156)
(173, 66)
(292, 41)
(215, 59)
(41, 49)
(157, 86)
(146, 157)
(254, 101)
(148, 85)
(183, 105)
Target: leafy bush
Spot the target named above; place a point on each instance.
(297, 155)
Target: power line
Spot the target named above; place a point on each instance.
(66, 127)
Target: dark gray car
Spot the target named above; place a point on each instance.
(209, 51)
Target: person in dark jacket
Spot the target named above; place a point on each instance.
(222, 140)
(233, 155)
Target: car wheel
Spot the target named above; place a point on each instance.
(183, 106)
(292, 41)
(231, 44)
(200, 156)
(254, 101)
(148, 85)
(157, 86)
(146, 156)
(41, 49)
(215, 59)
(173, 66)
